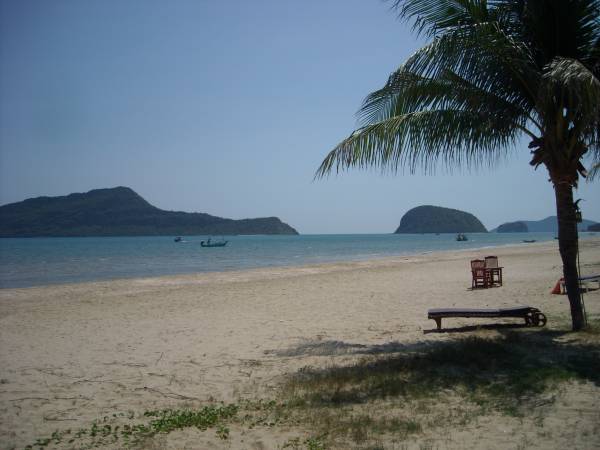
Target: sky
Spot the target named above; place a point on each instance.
(228, 108)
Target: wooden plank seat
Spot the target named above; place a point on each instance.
(532, 316)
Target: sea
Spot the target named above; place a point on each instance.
(27, 262)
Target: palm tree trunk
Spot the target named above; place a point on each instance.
(568, 242)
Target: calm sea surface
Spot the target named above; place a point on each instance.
(40, 261)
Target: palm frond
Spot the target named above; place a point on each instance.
(407, 92)
(422, 139)
(594, 172)
(566, 28)
(576, 83)
(493, 69)
(483, 54)
(434, 17)
(572, 90)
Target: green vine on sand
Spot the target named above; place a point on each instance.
(161, 421)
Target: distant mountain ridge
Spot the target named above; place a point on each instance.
(512, 227)
(119, 212)
(436, 219)
(549, 224)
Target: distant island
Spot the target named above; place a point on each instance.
(119, 212)
(594, 227)
(549, 224)
(513, 227)
(435, 219)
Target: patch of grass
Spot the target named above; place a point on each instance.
(401, 394)
(507, 370)
(314, 443)
(593, 326)
(365, 427)
(106, 432)
(222, 431)
(311, 443)
(167, 420)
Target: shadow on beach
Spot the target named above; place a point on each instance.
(471, 328)
(334, 347)
(515, 366)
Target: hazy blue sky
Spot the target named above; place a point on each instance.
(224, 107)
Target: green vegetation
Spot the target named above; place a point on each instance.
(442, 384)
(119, 212)
(168, 420)
(111, 430)
(491, 74)
(503, 372)
(387, 397)
(435, 219)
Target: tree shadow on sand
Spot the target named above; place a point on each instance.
(505, 371)
(471, 328)
(336, 348)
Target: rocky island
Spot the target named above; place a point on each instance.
(435, 219)
(119, 212)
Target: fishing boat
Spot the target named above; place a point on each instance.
(178, 239)
(528, 241)
(461, 237)
(211, 243)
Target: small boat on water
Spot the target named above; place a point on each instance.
(528, 241)
(178, 239)
(460, 237)
(211, 243)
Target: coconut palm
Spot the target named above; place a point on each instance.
(492, 72)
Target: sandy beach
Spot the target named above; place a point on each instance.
(75, 353)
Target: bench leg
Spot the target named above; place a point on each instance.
(438, 321)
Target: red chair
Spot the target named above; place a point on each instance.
(493, 270)
(479, 273)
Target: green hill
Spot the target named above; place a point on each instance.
(549, 224)
(435, 219)
(513, 227)
(119, 212)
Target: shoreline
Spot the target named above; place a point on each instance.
(266, 270)
(71, 354)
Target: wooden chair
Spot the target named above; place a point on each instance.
(493, 270)
(479, 274)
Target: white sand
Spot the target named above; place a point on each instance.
(73, 353)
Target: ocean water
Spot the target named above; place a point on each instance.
(26, 262)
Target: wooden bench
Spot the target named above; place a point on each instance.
(532, 316)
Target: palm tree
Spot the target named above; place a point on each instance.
(493, 71)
